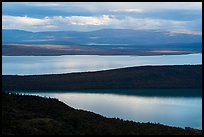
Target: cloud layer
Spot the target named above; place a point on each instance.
(175, 17)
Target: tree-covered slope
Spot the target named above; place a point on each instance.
(32, 115)
(178, 76)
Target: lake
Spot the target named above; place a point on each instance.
(169, 108)
(180, 111)
(34, 65)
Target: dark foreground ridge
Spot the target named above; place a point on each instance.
(30, 115)
(176, 76)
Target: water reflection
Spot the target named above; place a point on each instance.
(32, 65)
(175, 111)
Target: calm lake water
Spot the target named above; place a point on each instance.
(179, 111)
(183, 110)
(34, 65)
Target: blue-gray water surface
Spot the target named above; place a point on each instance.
(181, 111)
(178, 111)
(34, 65)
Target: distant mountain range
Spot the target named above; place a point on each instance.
(99, 37)
(100, 42)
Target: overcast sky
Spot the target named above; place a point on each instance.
(86, 16)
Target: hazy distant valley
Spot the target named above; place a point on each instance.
(101, 42)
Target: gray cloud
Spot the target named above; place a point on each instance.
(65, 23)
(85, 16)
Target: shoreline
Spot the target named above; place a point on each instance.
(159, 92)
(78, 54)
(57, 50)
(153, 77)
(42, 106)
